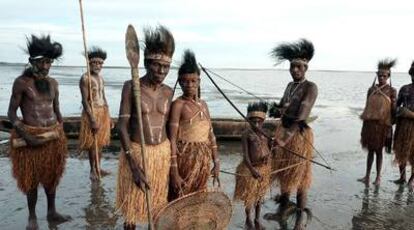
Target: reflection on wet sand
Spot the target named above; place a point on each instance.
(99, 213)
(383, 213)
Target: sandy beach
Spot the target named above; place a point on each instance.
(336, 199)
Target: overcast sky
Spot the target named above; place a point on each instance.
(347, 34)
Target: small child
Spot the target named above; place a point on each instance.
(253, 173)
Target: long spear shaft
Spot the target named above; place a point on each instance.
(132, 51)
(97, 160)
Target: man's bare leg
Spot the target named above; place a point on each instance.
(257, 224)
(248, 223)
(129, 226)
(402, 178)
(103, 172)
(31, 203)
(370, 160)
(411, 181)
(301, 199)
(379, 167)
(52, 214)
(92, 174)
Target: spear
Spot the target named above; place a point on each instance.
(132, 53)
(97, 162)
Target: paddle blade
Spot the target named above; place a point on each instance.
(132, 46)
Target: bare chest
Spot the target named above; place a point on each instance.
(154, 102)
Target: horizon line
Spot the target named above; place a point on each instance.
(216, 68)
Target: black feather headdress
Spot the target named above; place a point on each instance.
(387, 63)
(159, 43)
(43, 47)
(257, 109)
(96, 52)
(302, 49)
(189, 64)
(411, 71)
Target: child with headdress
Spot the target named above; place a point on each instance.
(253, 173)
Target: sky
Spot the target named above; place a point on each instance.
(347, 34)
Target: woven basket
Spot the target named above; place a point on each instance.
(199, 210)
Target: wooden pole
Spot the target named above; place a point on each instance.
(97, 160)
(132, 53)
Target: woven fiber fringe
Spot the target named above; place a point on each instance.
(103, 136)
(373, 135)
(404, 141)
(248, 189)
(193, 166)
(295, 178)
(42, 164)
(130, 199)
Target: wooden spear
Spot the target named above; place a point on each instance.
(97, 162)
(132, 53)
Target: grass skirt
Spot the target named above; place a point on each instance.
(298, 177)
(251, 190)
(130, 199)
(193, 160)
(404, 141)
(42, 164)
(103, 136)
(373, 134)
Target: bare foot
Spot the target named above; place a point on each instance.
(411, 185)
(276, 198)
(364, 180)
(258, 225)
(57, 218)
(377, 181)
(299, 227)
(248, 224)
(105, 173)
(399, 181)
(93, 176)
(32, 224)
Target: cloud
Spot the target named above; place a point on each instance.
(348, 35)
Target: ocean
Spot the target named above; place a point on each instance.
(336, 199)
(339, 90)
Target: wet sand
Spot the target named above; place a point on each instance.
(336, 199)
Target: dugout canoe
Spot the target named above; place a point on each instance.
(224, 128)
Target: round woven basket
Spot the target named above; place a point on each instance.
(199, 210)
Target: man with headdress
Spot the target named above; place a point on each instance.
(155, 102)
(253, 173)
(95, 126)
(378, 118)
(294, 135)
(404, 131)
(42, 156)
(193, 144)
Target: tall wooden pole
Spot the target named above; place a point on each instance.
(97, 160)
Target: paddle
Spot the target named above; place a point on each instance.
(132, 53)
(95, 140)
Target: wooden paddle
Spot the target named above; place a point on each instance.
(132, 53)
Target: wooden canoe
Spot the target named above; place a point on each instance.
(224, 128)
